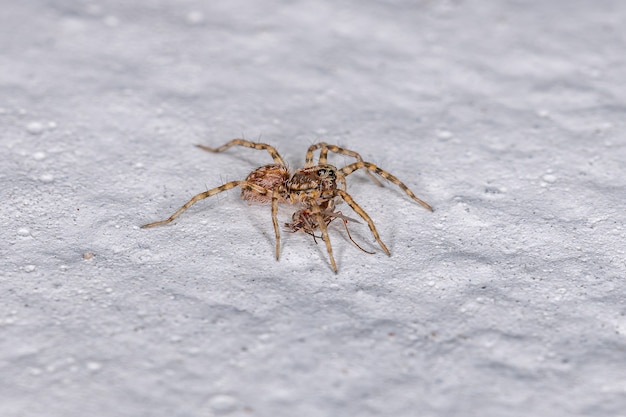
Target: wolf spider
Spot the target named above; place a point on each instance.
(313, 188)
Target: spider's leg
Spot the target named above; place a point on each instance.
(308, 160)
(347, 170)
(246, 143)
(358, 210)
(323, 227)
(275, 199)
(325, 147)
(244, 184)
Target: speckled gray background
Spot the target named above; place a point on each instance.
(508, 117)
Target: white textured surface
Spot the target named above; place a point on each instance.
(509, 300)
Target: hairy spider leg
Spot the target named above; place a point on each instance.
(347, 170)
(358, 210)
(246, 143)
(243, 184)
(323, 227)
(325, 147)
(275, 201)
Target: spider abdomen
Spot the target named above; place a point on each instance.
(268, 177)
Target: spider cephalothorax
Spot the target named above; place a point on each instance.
(311, 185)
(313, 188)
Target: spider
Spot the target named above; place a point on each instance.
(313, 188)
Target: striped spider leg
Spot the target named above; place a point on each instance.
(343, 194)
(246, 185)
(258, 187)
(347, 170)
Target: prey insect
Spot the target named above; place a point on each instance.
(313, 189)
(305, 221)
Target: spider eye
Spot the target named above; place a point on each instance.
(325, 172)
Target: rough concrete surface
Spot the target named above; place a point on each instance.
(508, 117)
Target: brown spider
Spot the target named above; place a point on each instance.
(313, 188)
